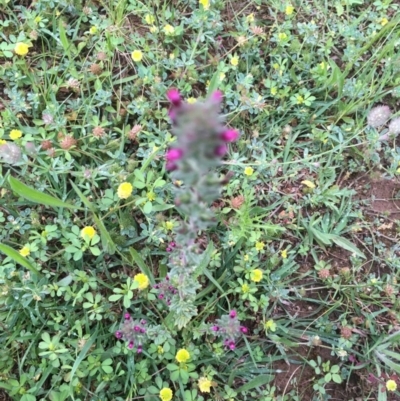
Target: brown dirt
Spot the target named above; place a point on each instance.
(4, 396)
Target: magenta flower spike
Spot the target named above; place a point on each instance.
(232, 314)
(174, 97)
(230, 135)
(217, 96)
(174, 154)
(127, 316)
(221, 150)
(118, 334)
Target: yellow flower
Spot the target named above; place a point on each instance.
(191, 100)
(124, 190)
(246, 258)
(142, 280)
(204, 384)
(235, 61)
(25, 251)
(250, 18)
(137, 55)
(169, 29)
(93, 30)
(172, 56)
(299, 99)
(249, 171)
(149, 19)
(169, 225)
(282, 36)
(205, 4)
(88, 231)
(153, 29)
(391, 385)
(15, 134)
(166, 394)
(289, 10)
(384, 21)
(21, 49)
(38, 19)
(160, 350)
(274, 91)
(245, 288)
(2, 142)
(222, 76)
(256, 275)
(151, 196)
(260, 246)
(284, 254)
(182, 355)
(270, 325)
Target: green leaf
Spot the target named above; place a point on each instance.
(336, 378)
(147, 208)
(214, 82)
(140, 262)
(13, 254)
(258, 381)
(115, 297)
(346, 244)
(36, 196)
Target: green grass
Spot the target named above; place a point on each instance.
(326, 309)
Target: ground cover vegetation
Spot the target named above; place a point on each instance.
(199, 200)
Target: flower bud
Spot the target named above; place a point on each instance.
(230, 135)
(232, 314)
(174, 97)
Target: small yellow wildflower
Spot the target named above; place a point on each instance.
(137, 55)
(149, 19)
(299, 99)
(274, 91)
(124, 190)
(166, 394)
(58, 13)
(172, 56)
(2, 142)
(235, 61)
(250, 18)
(93, 30)
(191, 100)
(222, 76)
(88, 231)
(15, 134)
(384, 21)
(289, 10)
(21, 49)
(204, 384)
(160, 350)
(256, 275)
(182, 355)
(153, 29)
(37, 19)
(25, 251)
(142, 280)
(270, 325)
(249, 171)
(205, 4)
(169, 225)
(260, 246)
(282, 36)
(391, 385)
(151, 196)
(284, 254)
(169, 29)
(245, 288)
(246, 257)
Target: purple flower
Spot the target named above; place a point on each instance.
(215, 328)
(243, 329)
(174, 97)
(127, 316)
(118, 334)
(139, 350)
(136, 328)
(171, 166)
(221, 150)
(143, 322)
(130, 345)
(231, 345)
(232, 314)
(172, 244)
(174, 154)
(217, 96)
(230, 135)
(161, 296)
(168, 249)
